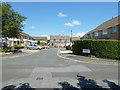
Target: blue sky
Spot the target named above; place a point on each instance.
(50, 18)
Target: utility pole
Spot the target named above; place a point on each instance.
(71, 36)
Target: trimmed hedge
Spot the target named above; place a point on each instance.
(18, 47)
(99, 48)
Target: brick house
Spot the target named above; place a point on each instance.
(40, 38)
(60, 40)
(107, 30)
(23, 40)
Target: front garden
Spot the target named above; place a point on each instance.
(109, 49)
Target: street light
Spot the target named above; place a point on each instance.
(71, 36)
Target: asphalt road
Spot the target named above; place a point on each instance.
(45, 69)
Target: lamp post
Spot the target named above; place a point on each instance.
(71, 36)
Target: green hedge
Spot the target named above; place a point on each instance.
(18, 47)
(5, 49)
(99, 48)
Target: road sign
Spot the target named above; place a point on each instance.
(86, 50)
(64, 41)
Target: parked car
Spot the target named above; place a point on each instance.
(3, 44)
(43, 47)
(34, 46)
(47, 47)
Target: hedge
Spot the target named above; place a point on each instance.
(18, 47)
(99, 48)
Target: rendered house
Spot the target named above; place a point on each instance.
(107, 30)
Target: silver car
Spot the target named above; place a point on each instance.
(34, 46)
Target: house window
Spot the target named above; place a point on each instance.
(96, 33)
(91, 35)
(114, 29)
(57, 40)
(105, 31)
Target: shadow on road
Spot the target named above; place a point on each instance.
(24, 86)
(88, 84)
(112, 85)
(83, 84)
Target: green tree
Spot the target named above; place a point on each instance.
(38, 42)
(42, 43)
(12, 22)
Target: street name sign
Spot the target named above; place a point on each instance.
(86, 50)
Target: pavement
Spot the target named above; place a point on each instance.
(68, 54)
(45, 69)
(24, 52)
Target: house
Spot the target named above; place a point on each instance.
(107, 30)
(23, 40)
(61, 40)
(40, 38)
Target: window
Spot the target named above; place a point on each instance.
(96, 33)
(57, 40)
(105, 31)
(114, 29)
(91, 35)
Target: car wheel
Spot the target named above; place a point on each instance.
(38, 49)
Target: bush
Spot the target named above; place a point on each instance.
(99, 48)
(18, 47)
(5, 49)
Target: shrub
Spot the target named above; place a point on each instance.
(5, 49)
(100, 48)
(18, 47)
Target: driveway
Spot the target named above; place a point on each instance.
(45, 69)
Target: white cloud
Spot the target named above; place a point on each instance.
(69, 24)
(62, 15)
(73, 23)
(76, 22)
(32, 27)
(78, 34)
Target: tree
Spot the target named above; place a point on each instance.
(12, 22)
(38, 42)
(42, 43)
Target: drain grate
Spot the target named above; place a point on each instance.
(39, 78)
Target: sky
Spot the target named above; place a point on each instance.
(59, 18)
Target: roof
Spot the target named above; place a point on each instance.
(26, 34)
(40, 37)
(59, 37)
(75, 38)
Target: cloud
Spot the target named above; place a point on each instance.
(69, 24)
(62, 15)
(32, 27)
(76, 22)
(78, 34)
(73, 23)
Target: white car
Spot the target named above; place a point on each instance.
(34, 46)
(47, 47)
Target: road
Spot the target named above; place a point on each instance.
(45, 69)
